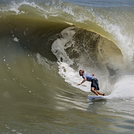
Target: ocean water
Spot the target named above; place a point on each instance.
(43, 45)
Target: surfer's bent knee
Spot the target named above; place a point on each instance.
(92, 89)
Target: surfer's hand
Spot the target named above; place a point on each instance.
(79, 84)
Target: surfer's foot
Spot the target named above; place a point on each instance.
(104, 94)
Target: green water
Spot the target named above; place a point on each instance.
(43, 44)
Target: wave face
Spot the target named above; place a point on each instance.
(43, 45)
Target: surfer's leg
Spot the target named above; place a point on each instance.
(97, 88)
(95, 92)
(101, 93)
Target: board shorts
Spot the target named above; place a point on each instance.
(95, 84)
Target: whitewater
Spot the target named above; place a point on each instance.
(44, 44)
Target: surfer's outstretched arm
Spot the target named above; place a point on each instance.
(83, 81)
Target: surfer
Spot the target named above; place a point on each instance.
(93, 80)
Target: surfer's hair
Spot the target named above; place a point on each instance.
(81, 71)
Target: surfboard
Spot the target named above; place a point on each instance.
(95, 98)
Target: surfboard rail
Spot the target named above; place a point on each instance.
(95, 98)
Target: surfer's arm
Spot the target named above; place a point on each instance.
(83, 81)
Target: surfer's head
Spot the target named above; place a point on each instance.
(81, 72)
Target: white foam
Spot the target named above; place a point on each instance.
(65, 70)
(14, 6)
(16, 39)
(59, 46)
(72, 77)
(124, 88)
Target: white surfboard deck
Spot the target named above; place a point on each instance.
(95, 98)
